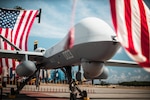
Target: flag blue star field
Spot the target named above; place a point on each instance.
(15, 26)
(8, 18)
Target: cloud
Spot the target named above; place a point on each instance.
(146, 77)
(56, 14)
(137, 71)
(123, 76)
(95, 8)
(127, 74)
(48, 31)
(113, 71)
(136, 78)
(55, 19)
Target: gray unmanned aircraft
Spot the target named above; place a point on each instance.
(94, 45)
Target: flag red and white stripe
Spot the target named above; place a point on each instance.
(131, 20)
(70, 37)
(18, 35)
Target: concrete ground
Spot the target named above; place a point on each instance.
(60, 92)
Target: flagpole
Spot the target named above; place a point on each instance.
(39, 15)
(11, 44)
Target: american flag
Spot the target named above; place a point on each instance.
(131, 20)
(15, 26)
(70, 37)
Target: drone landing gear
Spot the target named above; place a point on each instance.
(13, 92)
(73, 86)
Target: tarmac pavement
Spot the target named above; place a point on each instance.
(94, 93)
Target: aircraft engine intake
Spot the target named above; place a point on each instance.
(26, 68)
(92, 69)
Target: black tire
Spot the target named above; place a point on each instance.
(12, 91)
(84, 94)
(73, 96)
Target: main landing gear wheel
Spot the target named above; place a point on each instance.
(12, 94)
(84, 96)
(73, 96)
(73, 87)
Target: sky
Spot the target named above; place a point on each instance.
(55, 23)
